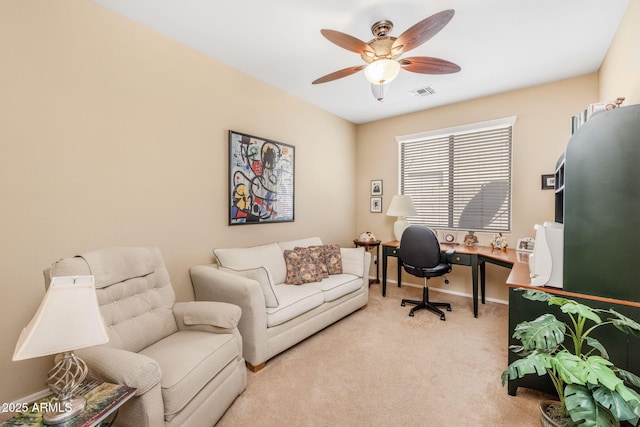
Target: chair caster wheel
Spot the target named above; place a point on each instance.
(446, 281)
(411, 314)
(448, 308)
(402, 304)
(443, 318)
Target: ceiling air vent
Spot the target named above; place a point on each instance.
(423, 91)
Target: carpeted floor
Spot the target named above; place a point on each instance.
(380, 367)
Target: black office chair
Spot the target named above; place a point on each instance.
(420, 255)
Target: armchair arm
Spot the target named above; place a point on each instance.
(212, 284)
(209, 316)
(122, 367)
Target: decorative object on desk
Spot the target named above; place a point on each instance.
(376, 187)
(615, 104)
(548, 181)
(68, 319)
(376, 204)
(402, 207)
(367, 236)
(450, 237)
(261, 180)
(499, 242)
(526, 244)
(470, 239)
(589, 386)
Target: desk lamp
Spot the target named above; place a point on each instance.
(68, 319)
(402, 207)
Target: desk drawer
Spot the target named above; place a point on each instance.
(461, 259)
(389, 251)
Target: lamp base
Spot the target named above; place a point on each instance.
(62, 410)
(398, 228)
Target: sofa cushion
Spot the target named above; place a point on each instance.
(300, 243)
(301, 267)
(319, 259)
(331, 256)
(337, 285)
(263, 277)
(294, 301)
(188, 360)
(268, 256)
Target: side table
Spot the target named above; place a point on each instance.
(103, 402)
(376, 261)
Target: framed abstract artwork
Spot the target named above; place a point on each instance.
(261, 180)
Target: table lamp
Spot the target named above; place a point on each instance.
(68, 319)
(402, 207)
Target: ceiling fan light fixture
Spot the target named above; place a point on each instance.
(382, 71)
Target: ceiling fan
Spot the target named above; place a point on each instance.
(381, 54)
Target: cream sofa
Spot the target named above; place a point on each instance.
(275, 315)
(184, 359)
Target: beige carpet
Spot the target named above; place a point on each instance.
(380, 367)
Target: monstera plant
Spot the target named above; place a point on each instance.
(592, 390)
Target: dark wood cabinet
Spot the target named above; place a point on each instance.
(598, 200)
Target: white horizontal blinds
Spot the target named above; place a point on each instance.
(460, 181)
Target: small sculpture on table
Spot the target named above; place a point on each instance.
(499, 242)
(470, 239)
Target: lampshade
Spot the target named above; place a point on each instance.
(382, 71)
(401, 205)
(68, 319)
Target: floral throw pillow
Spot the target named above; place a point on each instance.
(301, 267)
(331, 256)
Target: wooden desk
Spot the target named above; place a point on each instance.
(472, 256)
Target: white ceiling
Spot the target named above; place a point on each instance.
(501, 45)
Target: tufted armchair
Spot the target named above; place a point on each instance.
(184, 359)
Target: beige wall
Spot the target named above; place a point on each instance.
(540, 136)
(620, 71)
(114, 135)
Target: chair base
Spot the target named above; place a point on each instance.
(425, 304)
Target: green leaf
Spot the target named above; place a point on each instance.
(584, 409)
(629, 377)
(535, 363)
(536, 295)
(571, 368)
(619, 408)
(573, 307)
(625, 324)
(600, 373)
(545, 333)
(597, 345)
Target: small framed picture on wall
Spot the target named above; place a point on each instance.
(376, 187)
(376, 204)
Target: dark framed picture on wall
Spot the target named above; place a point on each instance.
(376, 204)
(261, 180)
(376, 187)
(548, 182)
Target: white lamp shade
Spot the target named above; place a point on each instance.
(68, 319)
(382, 71)
(401, 205)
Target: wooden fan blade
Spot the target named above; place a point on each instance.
(346, 41)
(338, 74)
(423, 30)
(427, 65)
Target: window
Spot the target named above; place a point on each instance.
(460, 178)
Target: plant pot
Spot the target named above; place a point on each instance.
(552, 418)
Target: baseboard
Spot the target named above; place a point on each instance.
(447, 291)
